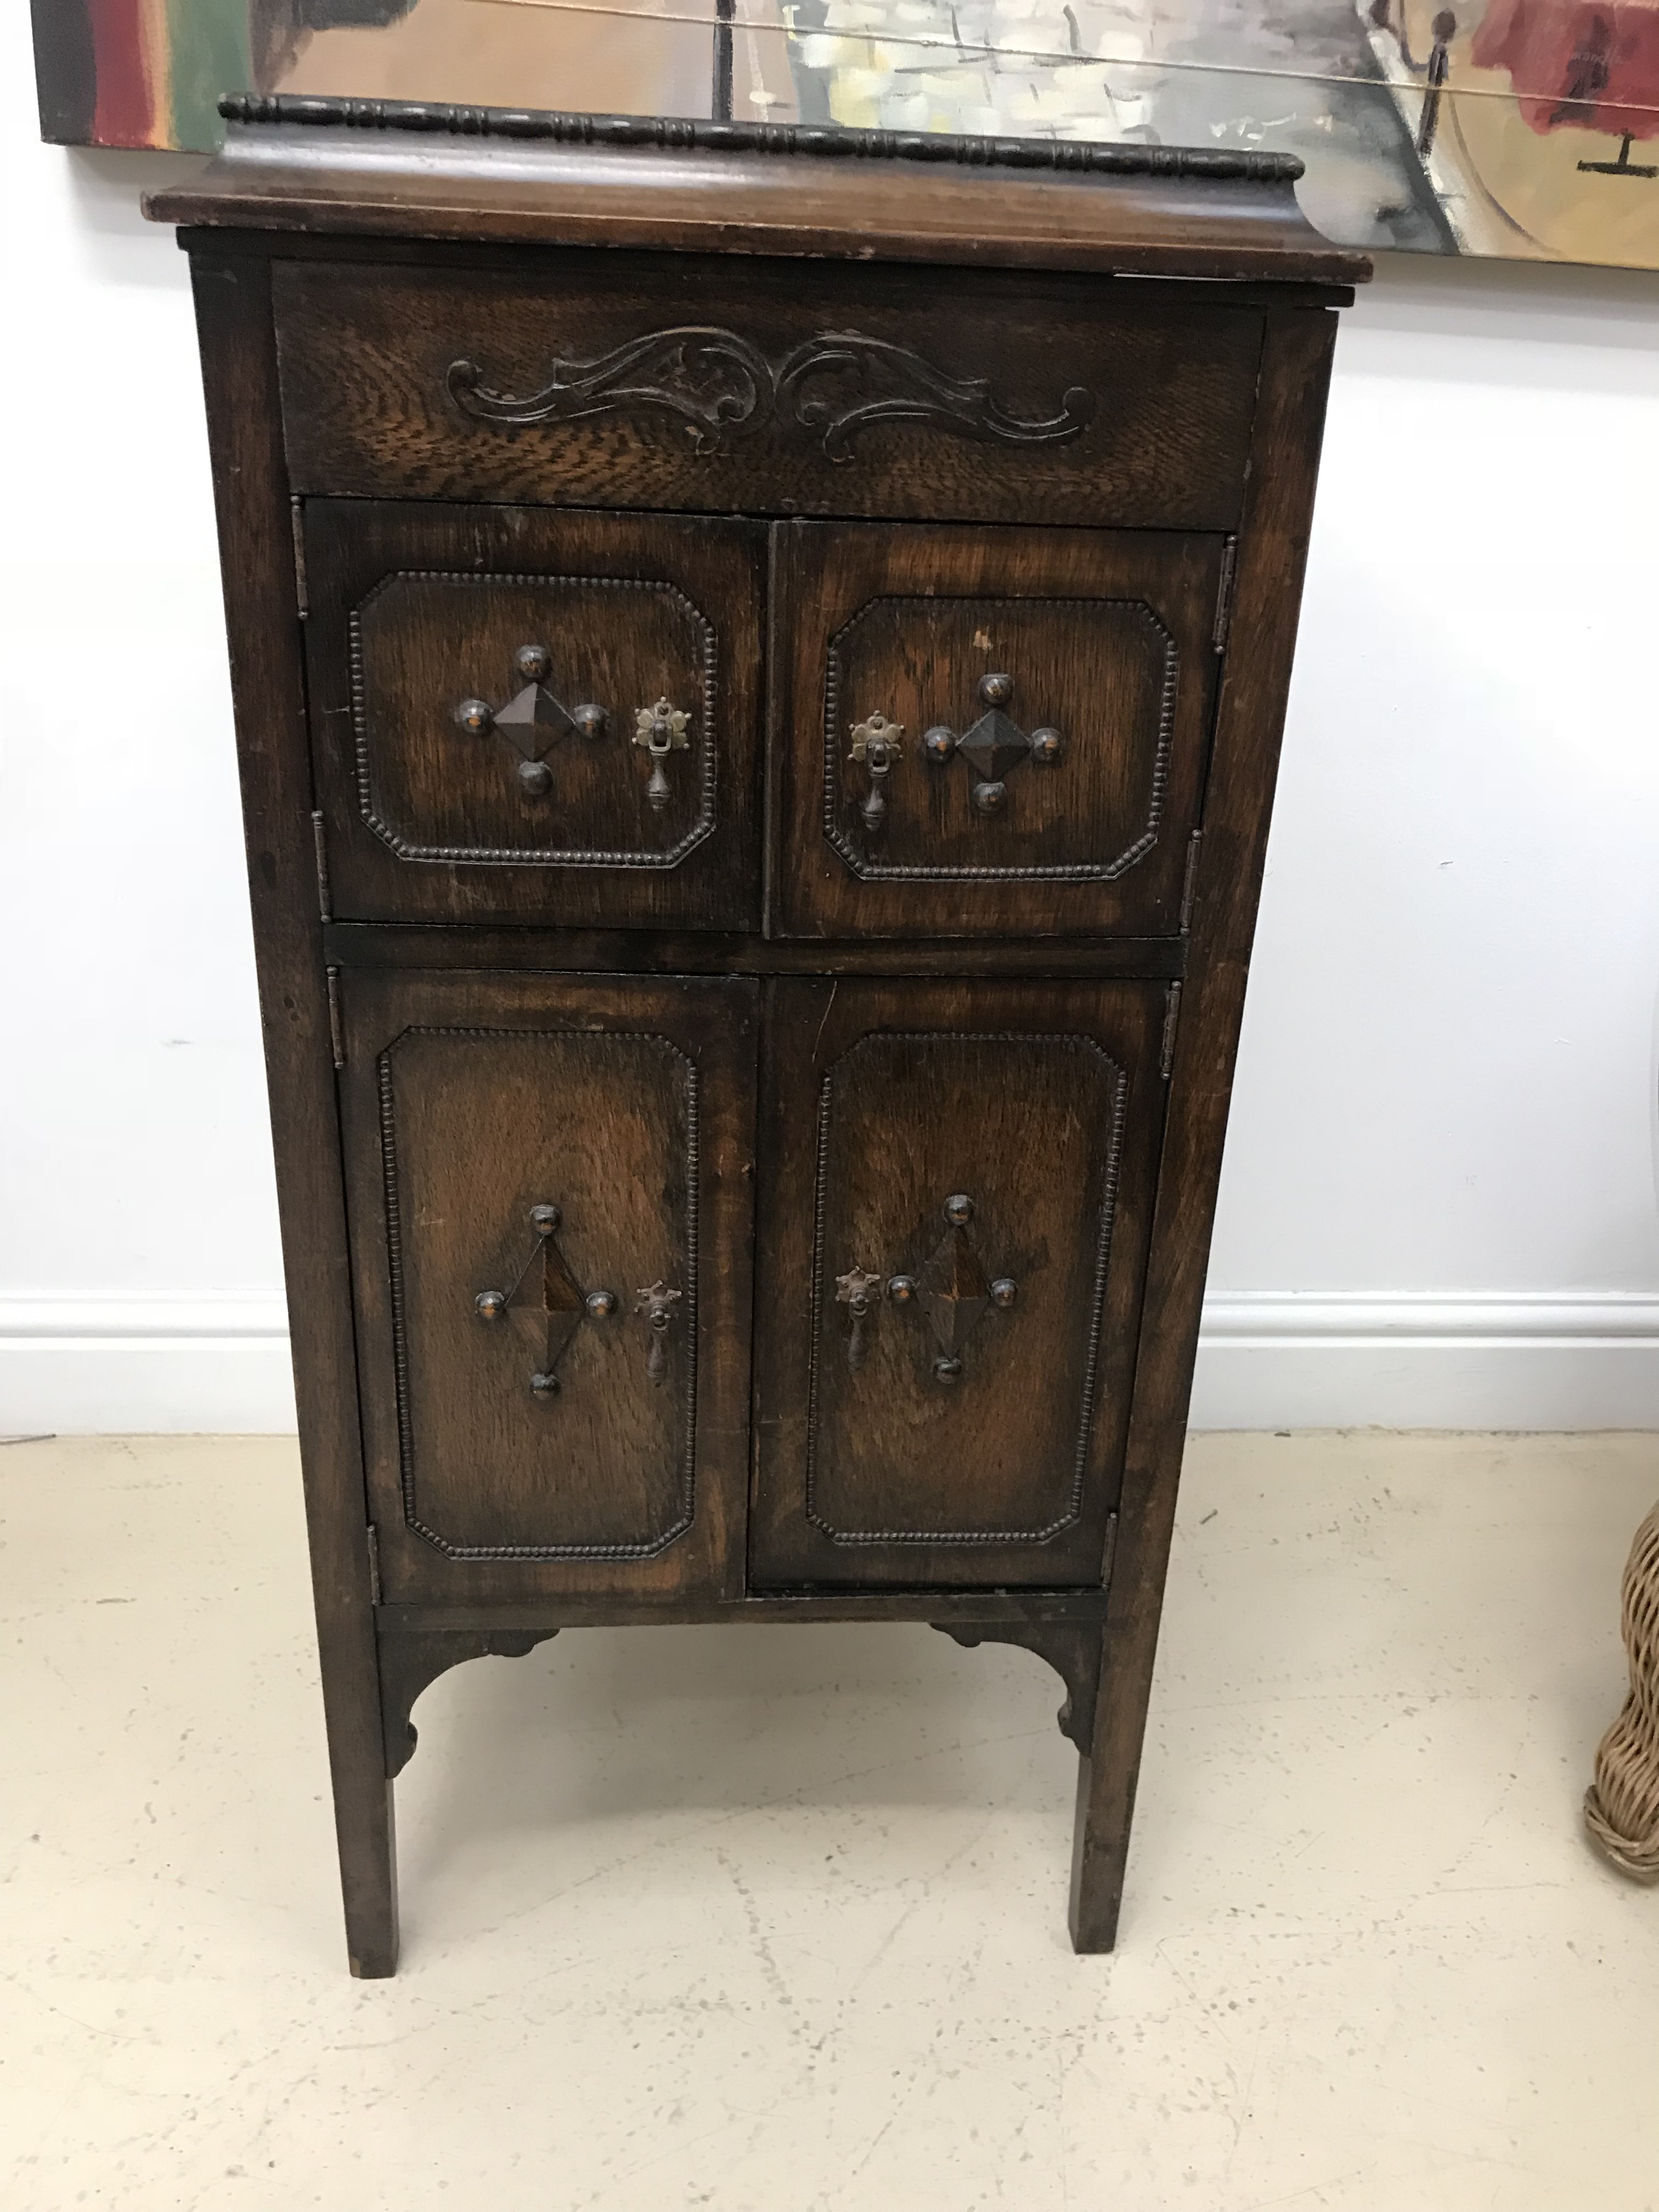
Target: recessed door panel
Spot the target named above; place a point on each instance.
(993, 731)
(549, 1218)
(519, 715)
(959, 1181)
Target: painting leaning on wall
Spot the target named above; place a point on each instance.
(1526, 129)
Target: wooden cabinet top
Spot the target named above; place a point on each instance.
(396, 169)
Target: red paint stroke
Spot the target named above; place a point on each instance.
(125, 111)
(1580, 64)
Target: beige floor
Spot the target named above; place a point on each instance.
(772, 1920)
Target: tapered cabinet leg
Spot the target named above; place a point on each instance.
(367, 1835)
(363, 1824)
(1105, 1807)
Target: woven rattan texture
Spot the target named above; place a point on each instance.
(1621, 1807)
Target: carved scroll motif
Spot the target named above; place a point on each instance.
(712, 382)
(721, 388)
(871, 380)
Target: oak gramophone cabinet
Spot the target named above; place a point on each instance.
(759, 657)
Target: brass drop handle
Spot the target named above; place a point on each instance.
(993, 745)
(657, 1303)
(532, 721)
(951, 1289)
(875, 748)
(853, 1291)
(661, 730)
(547, 1304)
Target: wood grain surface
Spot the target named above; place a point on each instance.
(367, 355)
(414, 608)
(1108, 638)
(716, 952)
(773, 1062)
(251, 494)
(1249, 723)
(469, 1100)
(1042, 1104)
(1219, 215)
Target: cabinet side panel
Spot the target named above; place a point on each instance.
(1249, 723)
(233, 306)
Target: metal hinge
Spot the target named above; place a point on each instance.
(336, 1023)
(1171, 1017)
(297, 509)
(1188, 884)
(373, 1564)
(319, 845)
(1223, 597)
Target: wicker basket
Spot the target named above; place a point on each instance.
(1621, 1806)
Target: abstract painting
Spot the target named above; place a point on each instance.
(1521, 128)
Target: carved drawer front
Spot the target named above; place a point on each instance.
(958, 1183)
(518, 715)
(636, 380)
(549, 1184)
(992, 731)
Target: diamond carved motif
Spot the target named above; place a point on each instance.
(547, 1305)
(533, 722)
(993, 745)
(952, 1290)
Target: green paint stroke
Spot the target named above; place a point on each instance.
(212, 54)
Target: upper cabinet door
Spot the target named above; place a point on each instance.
(548, 1180)
(992, 731)
(957, 1183)
(525, 716)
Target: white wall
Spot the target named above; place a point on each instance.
(1439, 1203)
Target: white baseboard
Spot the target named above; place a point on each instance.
(145, 1367)
(1267, 1360)
(1422, 1360)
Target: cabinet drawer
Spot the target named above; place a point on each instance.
(991, 732)
(521, 715)
(639, 380)
(548, 1181)
(958, 1181)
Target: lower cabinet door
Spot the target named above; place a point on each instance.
(550, 1183)
(956, 1191)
